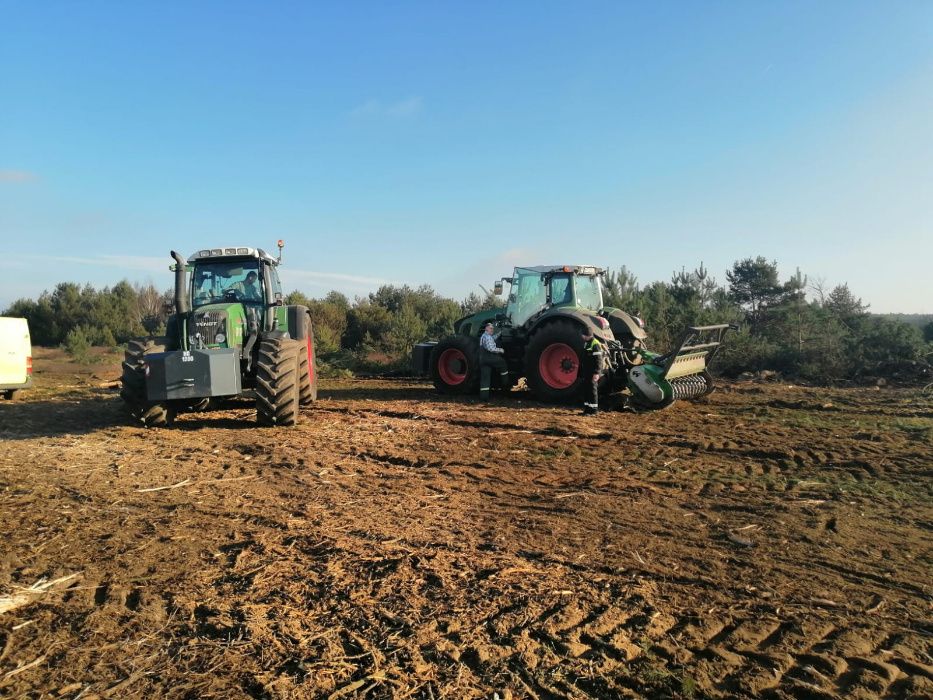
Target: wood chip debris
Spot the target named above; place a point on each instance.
(740, 540)
(824, 602)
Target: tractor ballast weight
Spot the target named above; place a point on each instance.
(230, 335)
(541, 331)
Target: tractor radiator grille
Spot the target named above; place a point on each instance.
(691, 386)
(209, 324)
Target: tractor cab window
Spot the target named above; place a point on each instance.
(216, 282)
(561, 291)
(528, 296)
(589, 292)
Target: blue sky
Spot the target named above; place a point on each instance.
(444, 142)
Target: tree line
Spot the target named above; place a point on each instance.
(792, 326)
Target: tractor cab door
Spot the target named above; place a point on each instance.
(271, 278)
(527, 297)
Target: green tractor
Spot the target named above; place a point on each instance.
(541, 333)
(230, 335)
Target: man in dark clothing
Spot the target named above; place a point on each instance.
(490, 358)
(592, 368)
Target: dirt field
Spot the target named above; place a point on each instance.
(770, 541)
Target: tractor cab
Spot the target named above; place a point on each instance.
(233, 275)
(230, 289)
(536, 289)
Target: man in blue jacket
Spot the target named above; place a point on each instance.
(491, 358)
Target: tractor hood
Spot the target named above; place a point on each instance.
(220, 325)
(478, 320)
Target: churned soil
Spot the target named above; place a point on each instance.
(768, 541)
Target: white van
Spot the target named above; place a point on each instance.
(15, 356)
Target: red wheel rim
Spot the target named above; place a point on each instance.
(559, 365)
(452, 367)
(310, 360)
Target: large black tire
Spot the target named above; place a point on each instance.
(553, 362)
(133, 391)
(278, 371)
(455, 365)
(307, 389)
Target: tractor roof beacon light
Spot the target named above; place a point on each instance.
(281, 244)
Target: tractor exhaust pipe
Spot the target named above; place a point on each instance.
(181, 294)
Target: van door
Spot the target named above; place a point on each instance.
(15, 348)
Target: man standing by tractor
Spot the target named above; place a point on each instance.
(490, 358)
(593, 366)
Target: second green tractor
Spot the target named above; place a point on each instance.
(541, 330)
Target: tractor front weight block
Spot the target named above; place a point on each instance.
(192, 374)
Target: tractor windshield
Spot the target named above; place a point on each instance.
(589, 292)
(213, 282)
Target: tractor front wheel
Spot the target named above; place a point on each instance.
(278, 380)
(455, 365)
(133, 391)
(553, 362)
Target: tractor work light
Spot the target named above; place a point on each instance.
(204, 253)
(217, 251)
(242, 251)
(230, 251)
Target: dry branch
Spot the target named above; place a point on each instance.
(26, 595)
(26, 667)
(164, 488)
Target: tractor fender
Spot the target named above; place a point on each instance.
(299, 321)
(583, 320)
(623, 325)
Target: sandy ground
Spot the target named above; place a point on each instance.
(768, 541)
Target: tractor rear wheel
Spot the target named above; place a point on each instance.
(278, 371)
(455, 365)
(308, 371)
(150, 413)
(553, 362)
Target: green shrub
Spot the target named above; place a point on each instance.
(78, 346)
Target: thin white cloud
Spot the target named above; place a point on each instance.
(367, 109)
(328, 279)
(400, 109)
(405, 108)
(125, 262)
(17, 176)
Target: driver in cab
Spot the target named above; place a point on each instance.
(248, 289)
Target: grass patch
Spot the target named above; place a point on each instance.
(920, 429)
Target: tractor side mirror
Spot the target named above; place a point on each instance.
(497, 288)
(168, 307)
(279, 299)
(501, 317)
